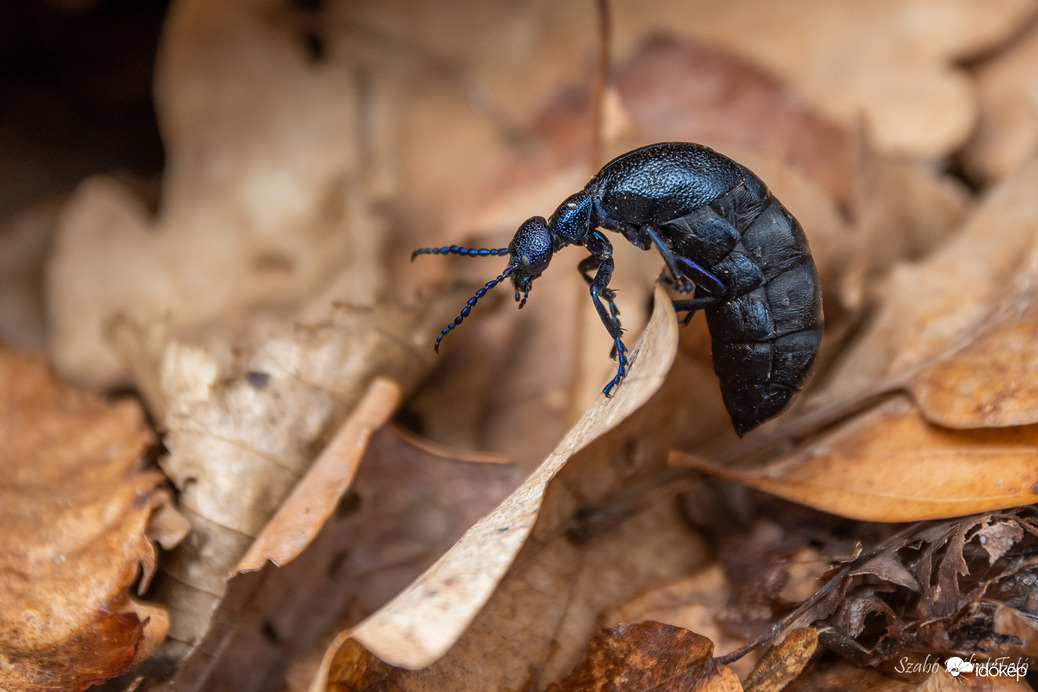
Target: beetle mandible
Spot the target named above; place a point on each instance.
(721, 233)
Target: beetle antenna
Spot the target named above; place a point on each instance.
(458, 250)
(469, 305)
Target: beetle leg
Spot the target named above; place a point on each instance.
(692, 305)
(709, 290)
(588, 265)
(705, 281)
(680, 281)
(601, 260)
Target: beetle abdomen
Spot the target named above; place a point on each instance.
(766, 331)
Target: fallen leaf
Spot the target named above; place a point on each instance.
(505, 585)
(649, 655)
(692, 91)
(854, 59)
(990, 382)
(256, 208)
(890, 465)
(691, 603)
(410, 631)
(314, 498)
(782, 663)
(406, 506)
(1006, 134)
(926, 312)
(242, 426)
(74, 505)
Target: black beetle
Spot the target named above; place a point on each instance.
(721, 233)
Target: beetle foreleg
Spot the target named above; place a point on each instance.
(588, 265)
(601, 260)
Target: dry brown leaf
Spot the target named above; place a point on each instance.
(691, 603)
(242, 426)
(784, 662)
(991, 382)
(534, 586)
(306, 509)
(406, 506)
(74, 505)
(1007, 126)
(649, 655)
(857, 59)
(688, 90)
(940, 304)
(890, 465)
(257, 206)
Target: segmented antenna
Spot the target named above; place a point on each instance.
(458, 250)
(471, 302)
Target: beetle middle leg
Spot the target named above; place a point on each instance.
(601, 261)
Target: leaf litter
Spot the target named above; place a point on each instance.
(923, 407)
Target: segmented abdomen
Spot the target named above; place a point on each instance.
(766, 333)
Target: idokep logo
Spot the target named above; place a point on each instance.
(996, 668)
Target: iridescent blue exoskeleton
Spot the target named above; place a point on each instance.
(721, 234)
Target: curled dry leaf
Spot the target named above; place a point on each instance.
(855, 58)
(941, 304)
(306, 509)
(260, 197)
(529, 583)
(242, 426)
(74, 505)
(406, 505)
(890, 465)
(649, 655)
(962, 600)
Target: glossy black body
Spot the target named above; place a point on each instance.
(722, 234)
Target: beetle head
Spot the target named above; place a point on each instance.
(530, 252)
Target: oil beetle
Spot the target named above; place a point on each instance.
(721, 233)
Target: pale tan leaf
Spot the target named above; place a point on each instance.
(852, 58)
(306, 509)
(418, 627)
(406, 505)
(243, 425)
(937, 306)
(1007, 127)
